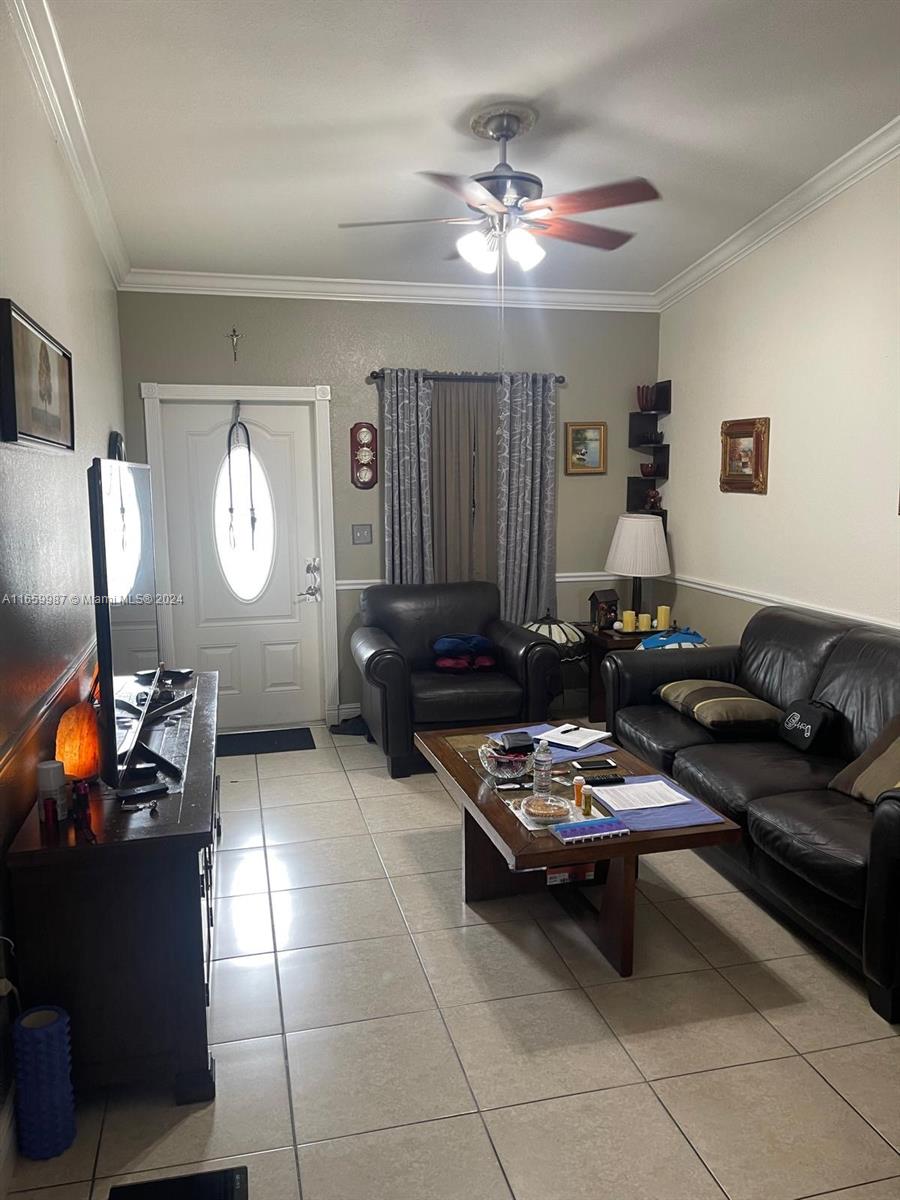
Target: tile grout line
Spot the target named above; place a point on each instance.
(850, 1104)
(99, 1142)
(846, 1190)
(284, 1046)
(448, 1034)
(796, 1053)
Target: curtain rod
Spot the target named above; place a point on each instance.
(450, 377)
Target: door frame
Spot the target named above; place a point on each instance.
(317, 398)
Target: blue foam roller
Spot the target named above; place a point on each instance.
(45, 1102)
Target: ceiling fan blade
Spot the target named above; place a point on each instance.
(603, 195)
(467, 189)
(574, 231)
(413, 221)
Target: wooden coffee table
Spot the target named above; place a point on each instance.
(503, 858)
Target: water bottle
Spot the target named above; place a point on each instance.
(543, 762)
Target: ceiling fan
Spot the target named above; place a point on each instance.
(512, 209)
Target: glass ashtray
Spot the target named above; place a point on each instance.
(546, 810)
(502, 765)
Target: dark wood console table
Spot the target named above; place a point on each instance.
(115, 926)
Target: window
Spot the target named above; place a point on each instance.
(245, 559)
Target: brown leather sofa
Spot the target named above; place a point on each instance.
(829, 862)
(401, 690)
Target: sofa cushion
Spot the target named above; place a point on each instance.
(656, 733)
(783, 651)
(728, 776)
(718, 705)
(861, 680)
(439, 698)
(876, 770)
(820, 835)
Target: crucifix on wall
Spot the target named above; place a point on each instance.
(235, 338)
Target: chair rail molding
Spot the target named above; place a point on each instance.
(352, 585)
(767, 600)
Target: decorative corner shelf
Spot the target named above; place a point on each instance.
(646, 437)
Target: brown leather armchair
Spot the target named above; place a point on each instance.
(401, 690)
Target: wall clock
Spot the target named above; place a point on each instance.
(363, 454)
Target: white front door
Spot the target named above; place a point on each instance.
(244, 611)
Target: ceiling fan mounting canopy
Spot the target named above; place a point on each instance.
(501, 123)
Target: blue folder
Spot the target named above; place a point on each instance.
(666, 816)
(602, 746)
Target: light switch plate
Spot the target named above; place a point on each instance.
(362, 535)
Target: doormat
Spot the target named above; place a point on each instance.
(265, 741)
(230, 1184)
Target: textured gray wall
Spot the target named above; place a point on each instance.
(51, 266)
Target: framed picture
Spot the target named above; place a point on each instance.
(745, 456)
(585, 447)
(35, 382)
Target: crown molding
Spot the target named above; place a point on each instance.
(39, 40)
(850, 168)
(379, 291)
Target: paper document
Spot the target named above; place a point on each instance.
(655, 793)
(575, 738)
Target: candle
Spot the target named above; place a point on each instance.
(644, 623)
(628, 621)
(663, 617)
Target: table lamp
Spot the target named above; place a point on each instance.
(638, 549)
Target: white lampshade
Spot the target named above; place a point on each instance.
(638, 547)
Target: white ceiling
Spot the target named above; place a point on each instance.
(233, 135)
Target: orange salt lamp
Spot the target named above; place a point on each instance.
(78, 741)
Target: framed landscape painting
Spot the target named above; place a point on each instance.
(585, 447)
(36, 401)
(745, 456)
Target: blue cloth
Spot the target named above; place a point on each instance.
(601, 746)
(667, 816)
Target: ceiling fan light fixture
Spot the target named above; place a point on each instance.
(475, 248)
(524, 249)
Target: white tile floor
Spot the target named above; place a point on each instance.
(378, 1039)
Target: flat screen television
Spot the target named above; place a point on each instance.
(124, 605)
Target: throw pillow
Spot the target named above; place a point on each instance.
(455, 664)
(463, 643)
(458, 652)
(718, 705)
(808, 724)
(876, 769)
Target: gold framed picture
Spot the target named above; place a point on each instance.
(745, 456)
(585, 447)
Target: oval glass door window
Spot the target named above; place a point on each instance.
(245, 563)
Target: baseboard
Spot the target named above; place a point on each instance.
(7, 1145)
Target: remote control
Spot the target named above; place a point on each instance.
(143, 789)
(604, 780)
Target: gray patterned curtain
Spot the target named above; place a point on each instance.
(526, 495)
(406, 434)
